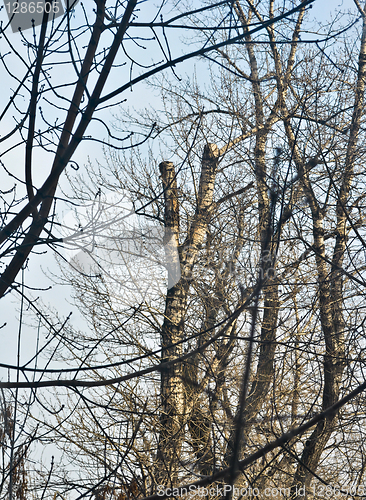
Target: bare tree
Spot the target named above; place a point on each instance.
(254, 204)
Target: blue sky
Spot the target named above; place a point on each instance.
(322, 11)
